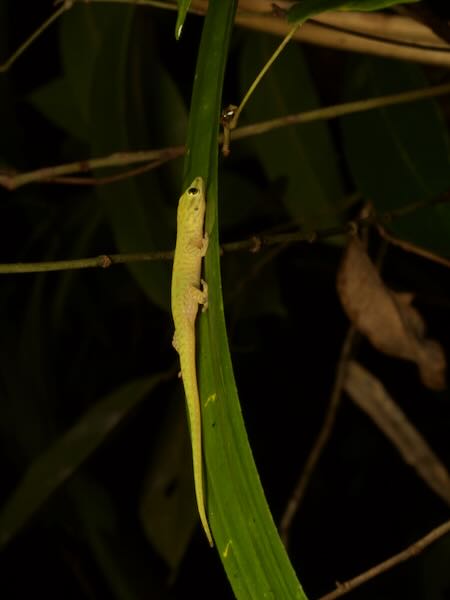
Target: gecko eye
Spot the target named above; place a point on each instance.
(192, 191)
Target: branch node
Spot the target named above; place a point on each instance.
(105, 261)
(352, 228)
(255, 244)
(8, 181)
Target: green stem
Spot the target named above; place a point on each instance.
(260, 75)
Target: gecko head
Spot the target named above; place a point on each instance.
(191, 207)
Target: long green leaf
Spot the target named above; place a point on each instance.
(54, 466)
(136, 207)
(253, 556)
(306, 9)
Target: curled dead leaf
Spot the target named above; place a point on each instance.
(387, 318)
(370, 395)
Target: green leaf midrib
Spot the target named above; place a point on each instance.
(246, 539)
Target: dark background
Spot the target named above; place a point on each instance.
(69, 338)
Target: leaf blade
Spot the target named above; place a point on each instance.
(183, 7)
(136, 213)
(302, 156)
(251, 551)
(394, 164)
(56, 464)
(369, 394)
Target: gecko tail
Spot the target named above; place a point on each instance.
(189, 375)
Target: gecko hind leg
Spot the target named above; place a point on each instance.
(205, 295)
(200, 296)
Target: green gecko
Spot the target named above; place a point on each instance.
(190, 248)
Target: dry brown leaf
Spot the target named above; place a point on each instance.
(387, 318)
(370, 395)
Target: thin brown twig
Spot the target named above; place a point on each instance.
(298, 493)
(7, 64)
(409, 247)
(353, 40)
(406, 554)
(253, 244)
(103, 261)
(386, 25)
(97, 181)
(424, 15)
(343, 38)
(382, 38)
(340, 110)
(12, 181)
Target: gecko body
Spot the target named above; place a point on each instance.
(188, 291)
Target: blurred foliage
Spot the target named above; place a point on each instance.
(108, 79)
